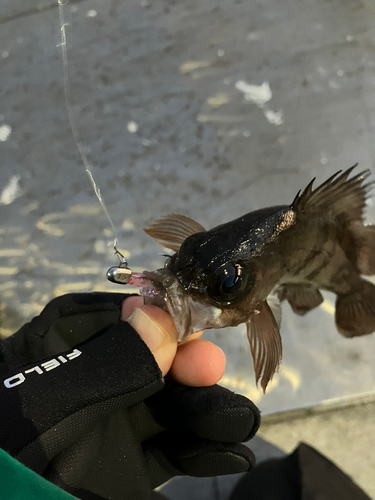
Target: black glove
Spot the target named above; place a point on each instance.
(83, 403)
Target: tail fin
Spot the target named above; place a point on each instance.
(365, 240)
(355, 312)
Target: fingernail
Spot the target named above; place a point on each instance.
(151, 332)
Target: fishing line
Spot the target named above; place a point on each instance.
(68, 104)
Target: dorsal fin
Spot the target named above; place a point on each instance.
(172, 230)
(342, 197)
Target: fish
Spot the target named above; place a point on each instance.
(240, 271)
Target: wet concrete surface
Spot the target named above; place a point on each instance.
(210, 109)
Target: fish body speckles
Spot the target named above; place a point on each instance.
(224, 276)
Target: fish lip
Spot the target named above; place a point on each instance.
(189, 314)
(176, 300)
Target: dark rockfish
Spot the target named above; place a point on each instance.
(223, 277)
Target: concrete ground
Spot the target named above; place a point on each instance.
(344, 434)
(211, 109)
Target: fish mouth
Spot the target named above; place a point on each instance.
(172, 298)
(189, 315)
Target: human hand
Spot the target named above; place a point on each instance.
(196, 363)
(98, 419)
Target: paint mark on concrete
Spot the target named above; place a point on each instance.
(5, 131)
(219, 119)
(8, 271)
(256, 394)
(24, 241)
(12, 252)
(291, 375)
(11, 230)
(235, 133)
(6, 286)
(203, 73)
(128, 225)
(192, 65)
(242, 386)
(29, 310)
(217, 100)
(328, 307)
(100, 246)
(127, 255)
(30, 207)
(107, 286)
(11, 191)
(63, 269)
(258, 94)
(132, 127)
(72, 287)
(5, 332)
(47, 225)
(87, 210)
(274, 117)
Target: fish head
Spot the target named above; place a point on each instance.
(201, 298)
(215, 278)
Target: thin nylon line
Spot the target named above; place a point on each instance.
(68, 105)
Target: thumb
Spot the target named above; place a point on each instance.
(158, 331)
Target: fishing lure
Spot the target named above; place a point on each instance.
(123, 275)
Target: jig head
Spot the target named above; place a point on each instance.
(123, 275)
(120, 274)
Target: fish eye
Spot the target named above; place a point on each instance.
(226, 282)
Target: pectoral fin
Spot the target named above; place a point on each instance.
(172, 230)
(265, 344)
(302, 298)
